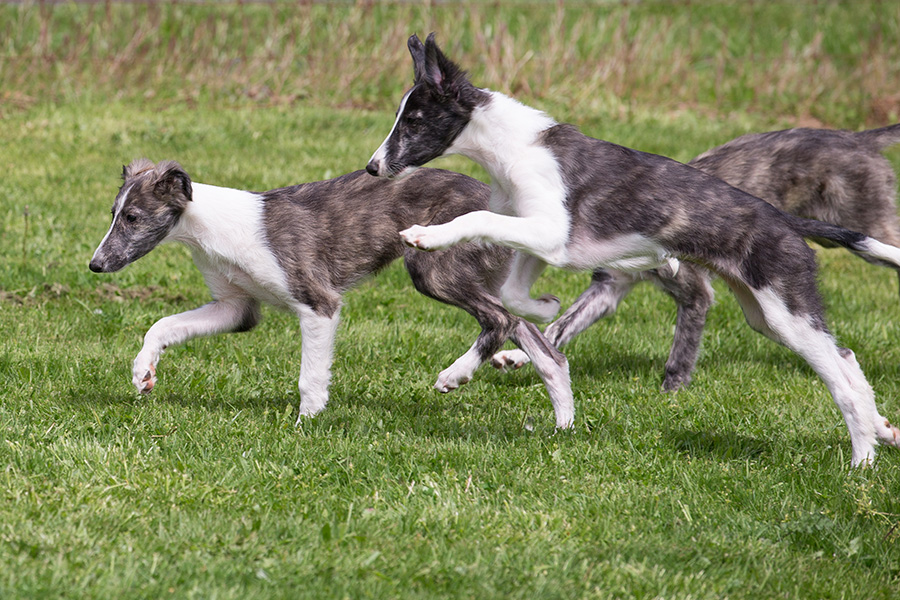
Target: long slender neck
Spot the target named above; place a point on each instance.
(501, 134)
(503, 137)
(218, 219)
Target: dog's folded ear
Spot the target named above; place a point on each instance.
(173, 182)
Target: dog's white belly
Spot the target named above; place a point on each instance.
(630, 252)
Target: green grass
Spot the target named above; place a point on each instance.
(738, 487)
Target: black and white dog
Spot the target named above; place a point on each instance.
(839, 177)
(571, 201)
(300, 248)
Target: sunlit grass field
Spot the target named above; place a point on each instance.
(738, 487)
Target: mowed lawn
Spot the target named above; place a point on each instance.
(738, 487)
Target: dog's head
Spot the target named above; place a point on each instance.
(147, 207)
(431, 115)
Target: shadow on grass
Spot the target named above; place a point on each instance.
(722, 446)
(126, 399)
(597, 362)
(422, 413)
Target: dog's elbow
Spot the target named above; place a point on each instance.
(250, 318)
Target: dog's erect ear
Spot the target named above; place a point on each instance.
(441, 73)
(137, 166)
(173, 183)
(417, 51)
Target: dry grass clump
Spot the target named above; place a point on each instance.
(827, 62)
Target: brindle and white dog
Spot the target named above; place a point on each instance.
(300, 248)
(839, 177)
(562, 198)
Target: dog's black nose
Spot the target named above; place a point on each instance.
(96, 267)
(372, 168)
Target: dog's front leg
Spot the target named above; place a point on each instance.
(532, 235)
(317, 351)
(515, 293)
(219, 316)
(599, 300)
(553, 368)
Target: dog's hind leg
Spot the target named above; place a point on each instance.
(317, 332)
(553, 368)
(462, 277)
(497, 326)
(600, 299)
(767, 312)
(887, 434)
(692, 292)
(689, 287)
(463, 368)
(224, 315)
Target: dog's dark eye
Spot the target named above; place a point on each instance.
(130, 218)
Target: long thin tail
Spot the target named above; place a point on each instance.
(882, 137)
(859, 244)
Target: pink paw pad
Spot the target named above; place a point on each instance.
(894, 432)
(149, 380)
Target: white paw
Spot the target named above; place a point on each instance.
(448, 381)
(863, 456)
(423, 238)
(308, 411)
(509, 360)
(548, 308)
(536, 310)
(143, 376)
(889, 434)
(565, 419)
(670, 269)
